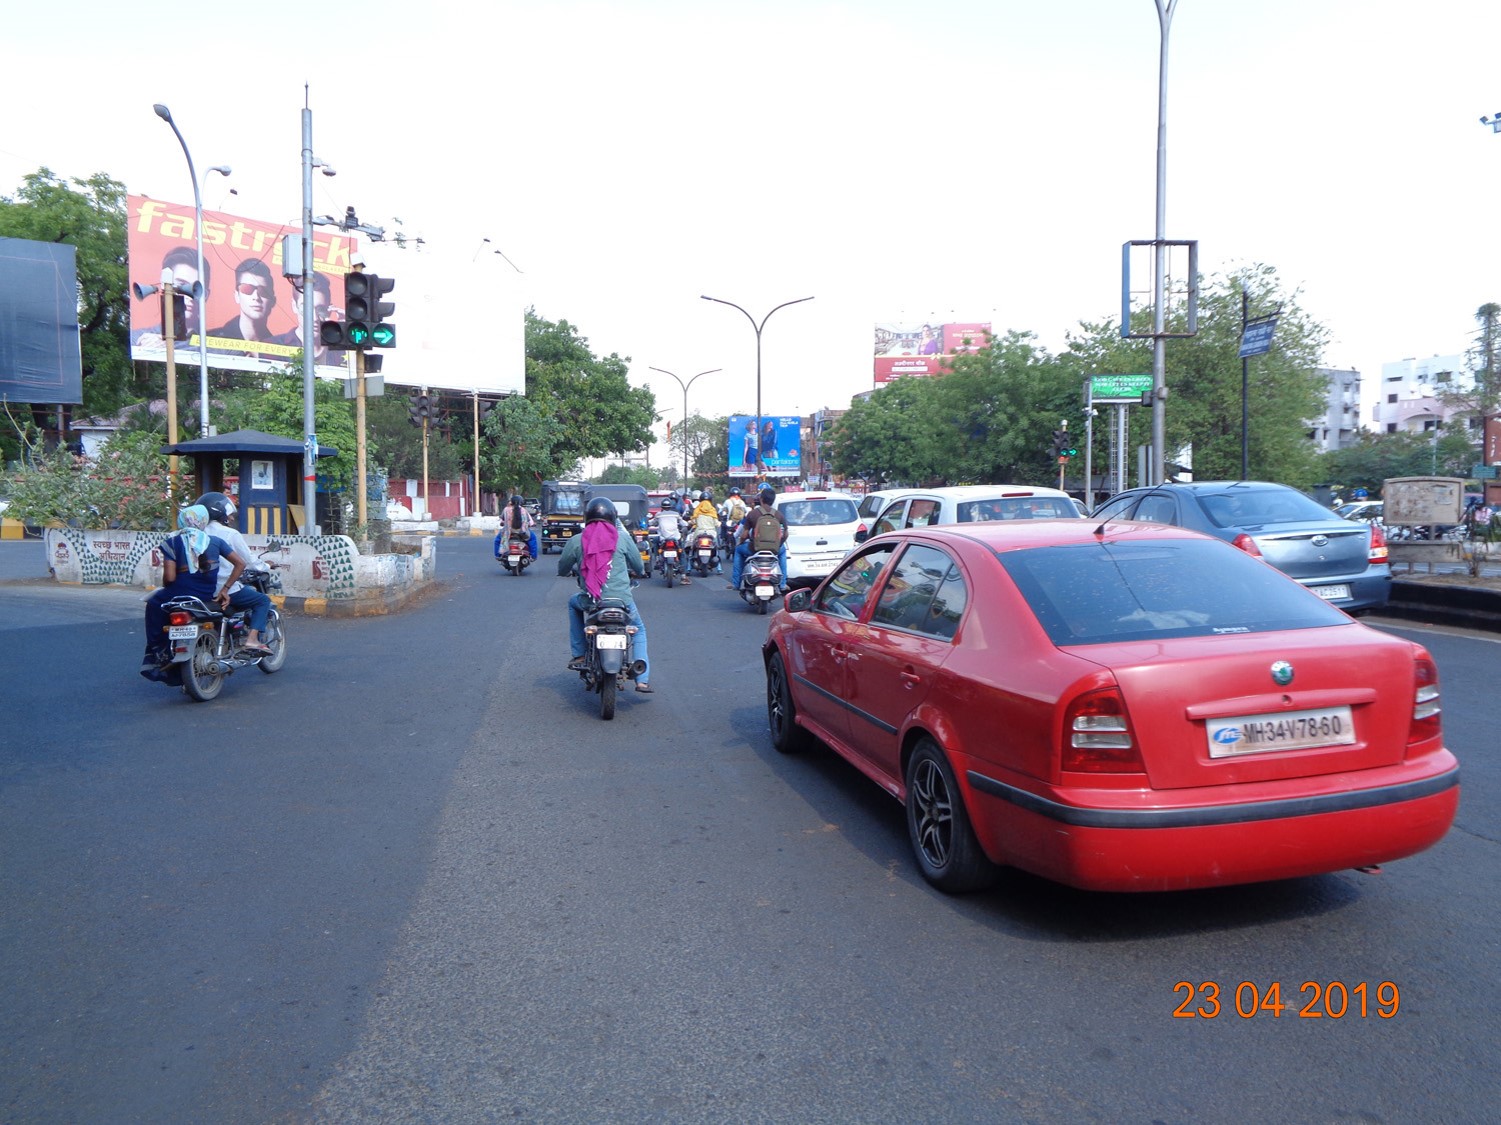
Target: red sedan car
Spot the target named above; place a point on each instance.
(1122, 707)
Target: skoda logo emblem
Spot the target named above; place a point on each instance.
(1321, 540)
(1282, 673)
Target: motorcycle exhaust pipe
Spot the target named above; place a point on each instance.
(638, 667)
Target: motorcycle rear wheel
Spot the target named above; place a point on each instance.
(671, 577)
(607, 687)
(276, 641)
(197, 680)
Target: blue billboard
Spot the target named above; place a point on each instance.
(768, 450)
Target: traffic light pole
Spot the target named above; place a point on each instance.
(357, 358)
(309, 429)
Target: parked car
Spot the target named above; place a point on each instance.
(821, 529)
(1368, 511)
(1345, 562)
(872, 503)
(1124, 707)
(977, 503)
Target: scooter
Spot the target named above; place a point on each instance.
(669, 560)
(517, 555)
(702, 552)
(609, 640)
(206, 643)
(760, 580)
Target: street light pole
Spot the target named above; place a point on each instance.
(685, 387)
(760, 463)
(1159, 340)
(199, 303)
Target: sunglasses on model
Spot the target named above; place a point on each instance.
(252, 290)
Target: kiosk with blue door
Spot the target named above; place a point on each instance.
(270, 477)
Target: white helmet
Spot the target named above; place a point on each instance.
(697, 495)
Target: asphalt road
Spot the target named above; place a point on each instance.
(413, 877)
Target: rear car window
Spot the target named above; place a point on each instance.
(1093, 593)
(1016, 508)
(1252, 507)
(810, 513)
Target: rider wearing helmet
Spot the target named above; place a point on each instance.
(745, 535)
(705, 518)
(731, 512)
(604, 557)
(670, 525)
(221, 514)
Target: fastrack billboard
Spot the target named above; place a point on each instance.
(253, 314)
(924, 349)
(771, 451)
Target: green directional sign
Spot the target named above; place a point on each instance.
(383, 335)
(1118, 388)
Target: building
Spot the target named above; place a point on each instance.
(1408, 397)
(1339, 425)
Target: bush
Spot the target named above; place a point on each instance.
(126, 487)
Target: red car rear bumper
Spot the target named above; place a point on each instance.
(1182, 840)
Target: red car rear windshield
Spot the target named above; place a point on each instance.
(1093, 593)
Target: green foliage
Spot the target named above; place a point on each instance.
(273, 404)
(600, 412)
(127, 486)
(519, 445)
(630, 474)
(89, 214)
(1376, 458)
(396, 444)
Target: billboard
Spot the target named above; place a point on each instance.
(252, 315)
(40, 358)
(924, 349)
(773, 450)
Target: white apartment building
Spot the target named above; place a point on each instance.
(1338, 426)
(1407, 399)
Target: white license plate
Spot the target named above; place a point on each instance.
(182, 632)
(765, 591)
(1332, 593)
(1285, 730)
(669, 554)
(704, 552)
(515, 559)
(610, 640)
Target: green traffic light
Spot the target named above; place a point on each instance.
(357, 334)
(383, 335)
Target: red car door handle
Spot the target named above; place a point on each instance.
(911, 679)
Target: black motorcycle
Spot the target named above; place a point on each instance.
(669, 560)
(609, 653)
(207, 644)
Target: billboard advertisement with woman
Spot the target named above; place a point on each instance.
(770, 449)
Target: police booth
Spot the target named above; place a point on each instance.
(270, 492)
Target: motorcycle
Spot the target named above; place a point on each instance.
(609, 640)
(517, 555)
(760, 580)
(702, 552)
(669, 560)
(206, 643)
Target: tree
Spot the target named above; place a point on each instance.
(630, 474)
(1375, 458)
(396, 444)
(273, 404)
(694, 441)
(1204, 381)
(1482, 396)
(893, 435)
(90, 215)
(599, 411)
(519, 444)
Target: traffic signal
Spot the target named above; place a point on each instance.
(179, 316)
(1060, 441)
(366, 325)
(421, 408)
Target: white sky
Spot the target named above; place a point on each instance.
(946, 160)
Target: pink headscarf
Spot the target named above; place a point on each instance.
(600, 538)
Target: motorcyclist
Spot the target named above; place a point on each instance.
(670, 525)
(731, 512)
(604, 557)
(745, 536)
(705, 519)
(221, 512)
(190, 567)
(516, 520)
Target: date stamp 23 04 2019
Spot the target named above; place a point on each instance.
(1334, 1000)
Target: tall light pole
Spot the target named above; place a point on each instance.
(199, 305)
(760, 463)
(1159, 250)
(685, 387)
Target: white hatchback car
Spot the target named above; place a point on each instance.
(821, 530)
(976, 503)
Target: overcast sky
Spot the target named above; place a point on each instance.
(910, 161)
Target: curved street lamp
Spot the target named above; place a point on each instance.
(760, 464)
(201, 304)
(685, 387)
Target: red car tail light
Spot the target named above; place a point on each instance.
(1247, 544)
(1097, 735)
(179, 617)
(1426, 710)
(1379, 553)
